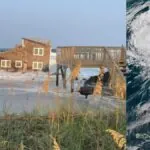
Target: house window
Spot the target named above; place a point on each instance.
(76, 56)
(35, 51)
(37, 65)
(93, 56)
(5, 63)
(81, 56)
(18, 64)
(38, 51)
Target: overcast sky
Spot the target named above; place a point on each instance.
(64, 22)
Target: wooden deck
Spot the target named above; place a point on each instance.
(89, 56)
(94, 56)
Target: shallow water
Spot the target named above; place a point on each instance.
(16, 97)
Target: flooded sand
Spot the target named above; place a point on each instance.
(19, 96)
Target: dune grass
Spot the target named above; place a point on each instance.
(73, 131)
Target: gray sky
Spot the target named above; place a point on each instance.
(64, 22)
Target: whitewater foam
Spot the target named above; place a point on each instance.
(139, 42)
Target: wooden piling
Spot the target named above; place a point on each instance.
(63, 73)
(72, 85)
(57, 76)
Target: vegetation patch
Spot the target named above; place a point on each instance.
(72, 131)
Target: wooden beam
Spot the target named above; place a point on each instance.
(72, 85)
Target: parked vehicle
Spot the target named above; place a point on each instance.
(88, 86)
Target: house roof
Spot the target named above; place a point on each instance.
(40, 41)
